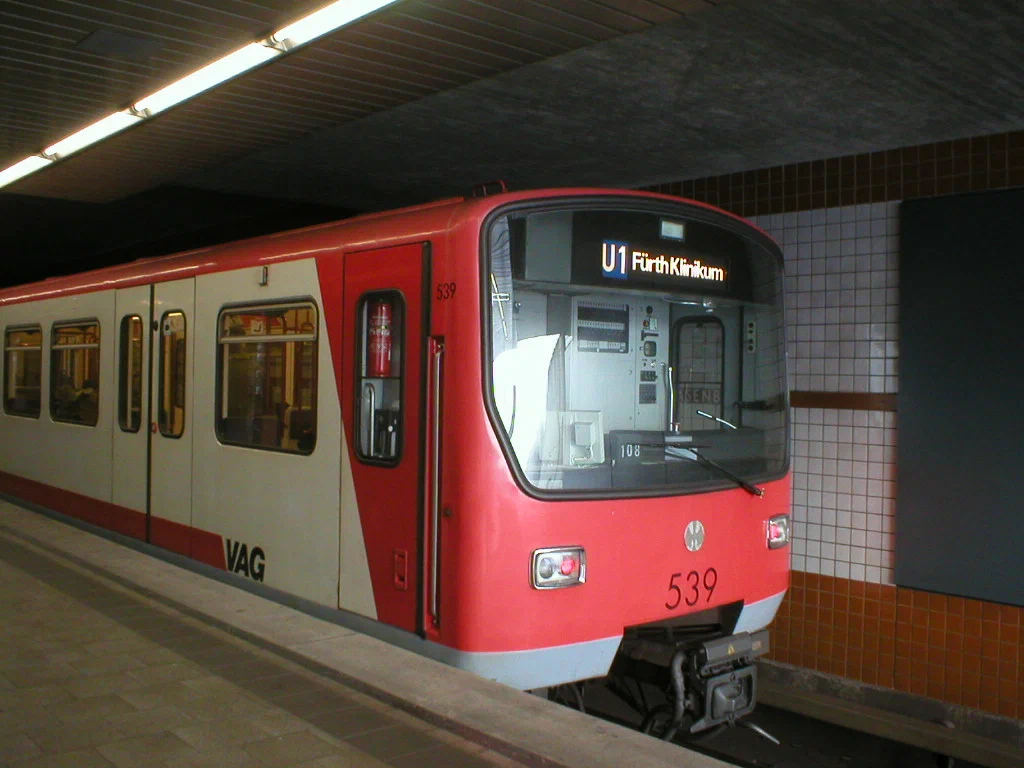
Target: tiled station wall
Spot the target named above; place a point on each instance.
(838, 223)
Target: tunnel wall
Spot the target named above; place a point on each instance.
(837, 220)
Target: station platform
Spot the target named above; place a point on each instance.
(110, 656)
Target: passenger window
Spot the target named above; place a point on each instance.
(23, 364)
(129, 399)
(171, 410)
(267, 372)
(379, 377)
(699, 372)
(75, 372)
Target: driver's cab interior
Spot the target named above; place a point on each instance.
(622, 385)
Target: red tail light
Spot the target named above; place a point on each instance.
(558, 567)
(778, 532)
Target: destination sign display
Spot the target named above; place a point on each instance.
(640, 251)
(625, 261)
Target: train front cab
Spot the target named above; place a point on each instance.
(630, 471)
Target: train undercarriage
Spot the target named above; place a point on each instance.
(681, 680)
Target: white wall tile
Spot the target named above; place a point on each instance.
(844, 494)
(842, 295)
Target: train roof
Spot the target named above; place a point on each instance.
(371, 230)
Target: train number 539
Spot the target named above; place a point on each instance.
(691, 588)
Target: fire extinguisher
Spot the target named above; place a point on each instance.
(378, 343)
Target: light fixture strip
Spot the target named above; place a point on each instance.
(22, 169)
(327, 19)
(226, 68)
(101, 129)
(306, 29)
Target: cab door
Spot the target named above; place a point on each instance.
(382, 410)
(170, 428)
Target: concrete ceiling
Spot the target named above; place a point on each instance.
(746, 85)
(650, 91)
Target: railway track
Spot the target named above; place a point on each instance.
(805, 742)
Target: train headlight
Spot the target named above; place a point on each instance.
(778, 532)
(558, 567)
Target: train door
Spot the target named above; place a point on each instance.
(131, 433)
(382, 410)
(170, 427)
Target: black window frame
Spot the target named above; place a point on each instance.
(37, 328)
(304, 301)
(124, 375)
(360, 350)
(99, 367)
(160, 376)
(674, 352)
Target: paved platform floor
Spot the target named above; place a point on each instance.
(94, 674)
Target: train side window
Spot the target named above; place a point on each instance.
(379, 377)
(267, 373)
(171, 401)
(129, 398)
(23, 364)
(75, 372)
(699, 372)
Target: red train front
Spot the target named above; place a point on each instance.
(613, 443)
(540, 436)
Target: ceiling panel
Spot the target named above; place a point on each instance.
(45, 60)
(67, 63)
(431, 97)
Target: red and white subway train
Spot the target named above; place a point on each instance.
(528, 434)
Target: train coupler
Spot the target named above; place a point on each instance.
(723, 678)
(710, 682)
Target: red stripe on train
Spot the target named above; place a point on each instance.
(208, 548)
(204, 546)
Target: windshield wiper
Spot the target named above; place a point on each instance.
(707, 415)
(707, 463)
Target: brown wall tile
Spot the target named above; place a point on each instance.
(943, 168)
(961, 651)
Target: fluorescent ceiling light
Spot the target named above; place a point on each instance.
(108, 126)
(23, 168)
(206, 78)
(327, 19)
(316, 24)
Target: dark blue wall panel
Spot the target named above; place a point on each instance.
(960, 481)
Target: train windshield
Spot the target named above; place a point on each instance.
(636, 351)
